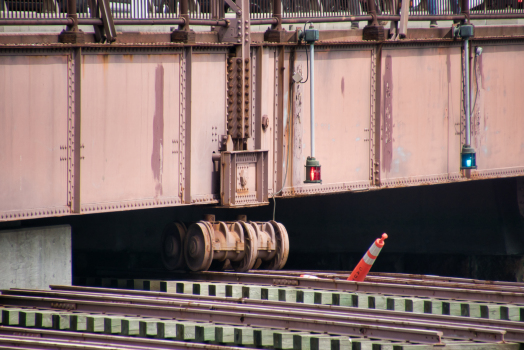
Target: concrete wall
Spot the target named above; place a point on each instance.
(35, 257)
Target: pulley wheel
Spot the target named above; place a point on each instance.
(197, 247)
(282, 248)
(172, 250)
(250, 249)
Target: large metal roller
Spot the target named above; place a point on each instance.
(172, 250)
(210, 244)
(273, 245)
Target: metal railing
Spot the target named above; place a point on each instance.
(209, 12)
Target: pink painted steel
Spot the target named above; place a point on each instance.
(130, 122)
(208, 123)
(267, 108)
(342, 119)
(497, 125)
(420, 109)
(33, 135)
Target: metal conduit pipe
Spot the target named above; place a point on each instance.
(312, 96)
(467, 97)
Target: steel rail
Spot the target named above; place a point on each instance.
(410, 281)
(453, 330)
(228, 317)
(397, 319)
(364, 287)
(485, 322)
(342, 274)
(92, 339)
(514, 329)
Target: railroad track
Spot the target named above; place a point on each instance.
(268, 309)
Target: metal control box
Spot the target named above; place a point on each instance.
(244, 178)
(311, 35)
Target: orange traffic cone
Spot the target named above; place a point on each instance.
(360, 272)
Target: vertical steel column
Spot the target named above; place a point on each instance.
(184, 33)
(184, 14)
(71, 13)
(186, 191)
(372, 10)
(312, 97)
(276, 34)
(373, 31)
(465, 10)
(277, 14)
(76, 144)
(71, 35)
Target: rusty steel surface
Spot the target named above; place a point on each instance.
(129, 131)
(94, 292)
(365, 287)
(411, 280)
(419, 142)
(497, 107)
(51, 339)
(419, 327)
(311, 324)
(456, 330)
(207, 124)
(33, 135)
(343, 90)
(139, 124)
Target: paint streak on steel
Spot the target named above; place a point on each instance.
(387, 124)
(422, 96)
(126, 121)
(158, 130)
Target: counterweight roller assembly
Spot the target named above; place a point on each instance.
(210, 244)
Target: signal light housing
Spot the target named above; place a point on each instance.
(468, 158)
(313, 174)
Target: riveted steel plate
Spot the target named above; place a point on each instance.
(208, 122)
(420, 114)
(342, 103)
(497, 122)
(130, 130)
(33, 135)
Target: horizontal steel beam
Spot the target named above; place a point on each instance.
(95, 21)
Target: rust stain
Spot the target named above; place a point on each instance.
(479, 60)
(128, 58)
(342, 86)
(158, 130)
(387, 131)
(105, 63)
